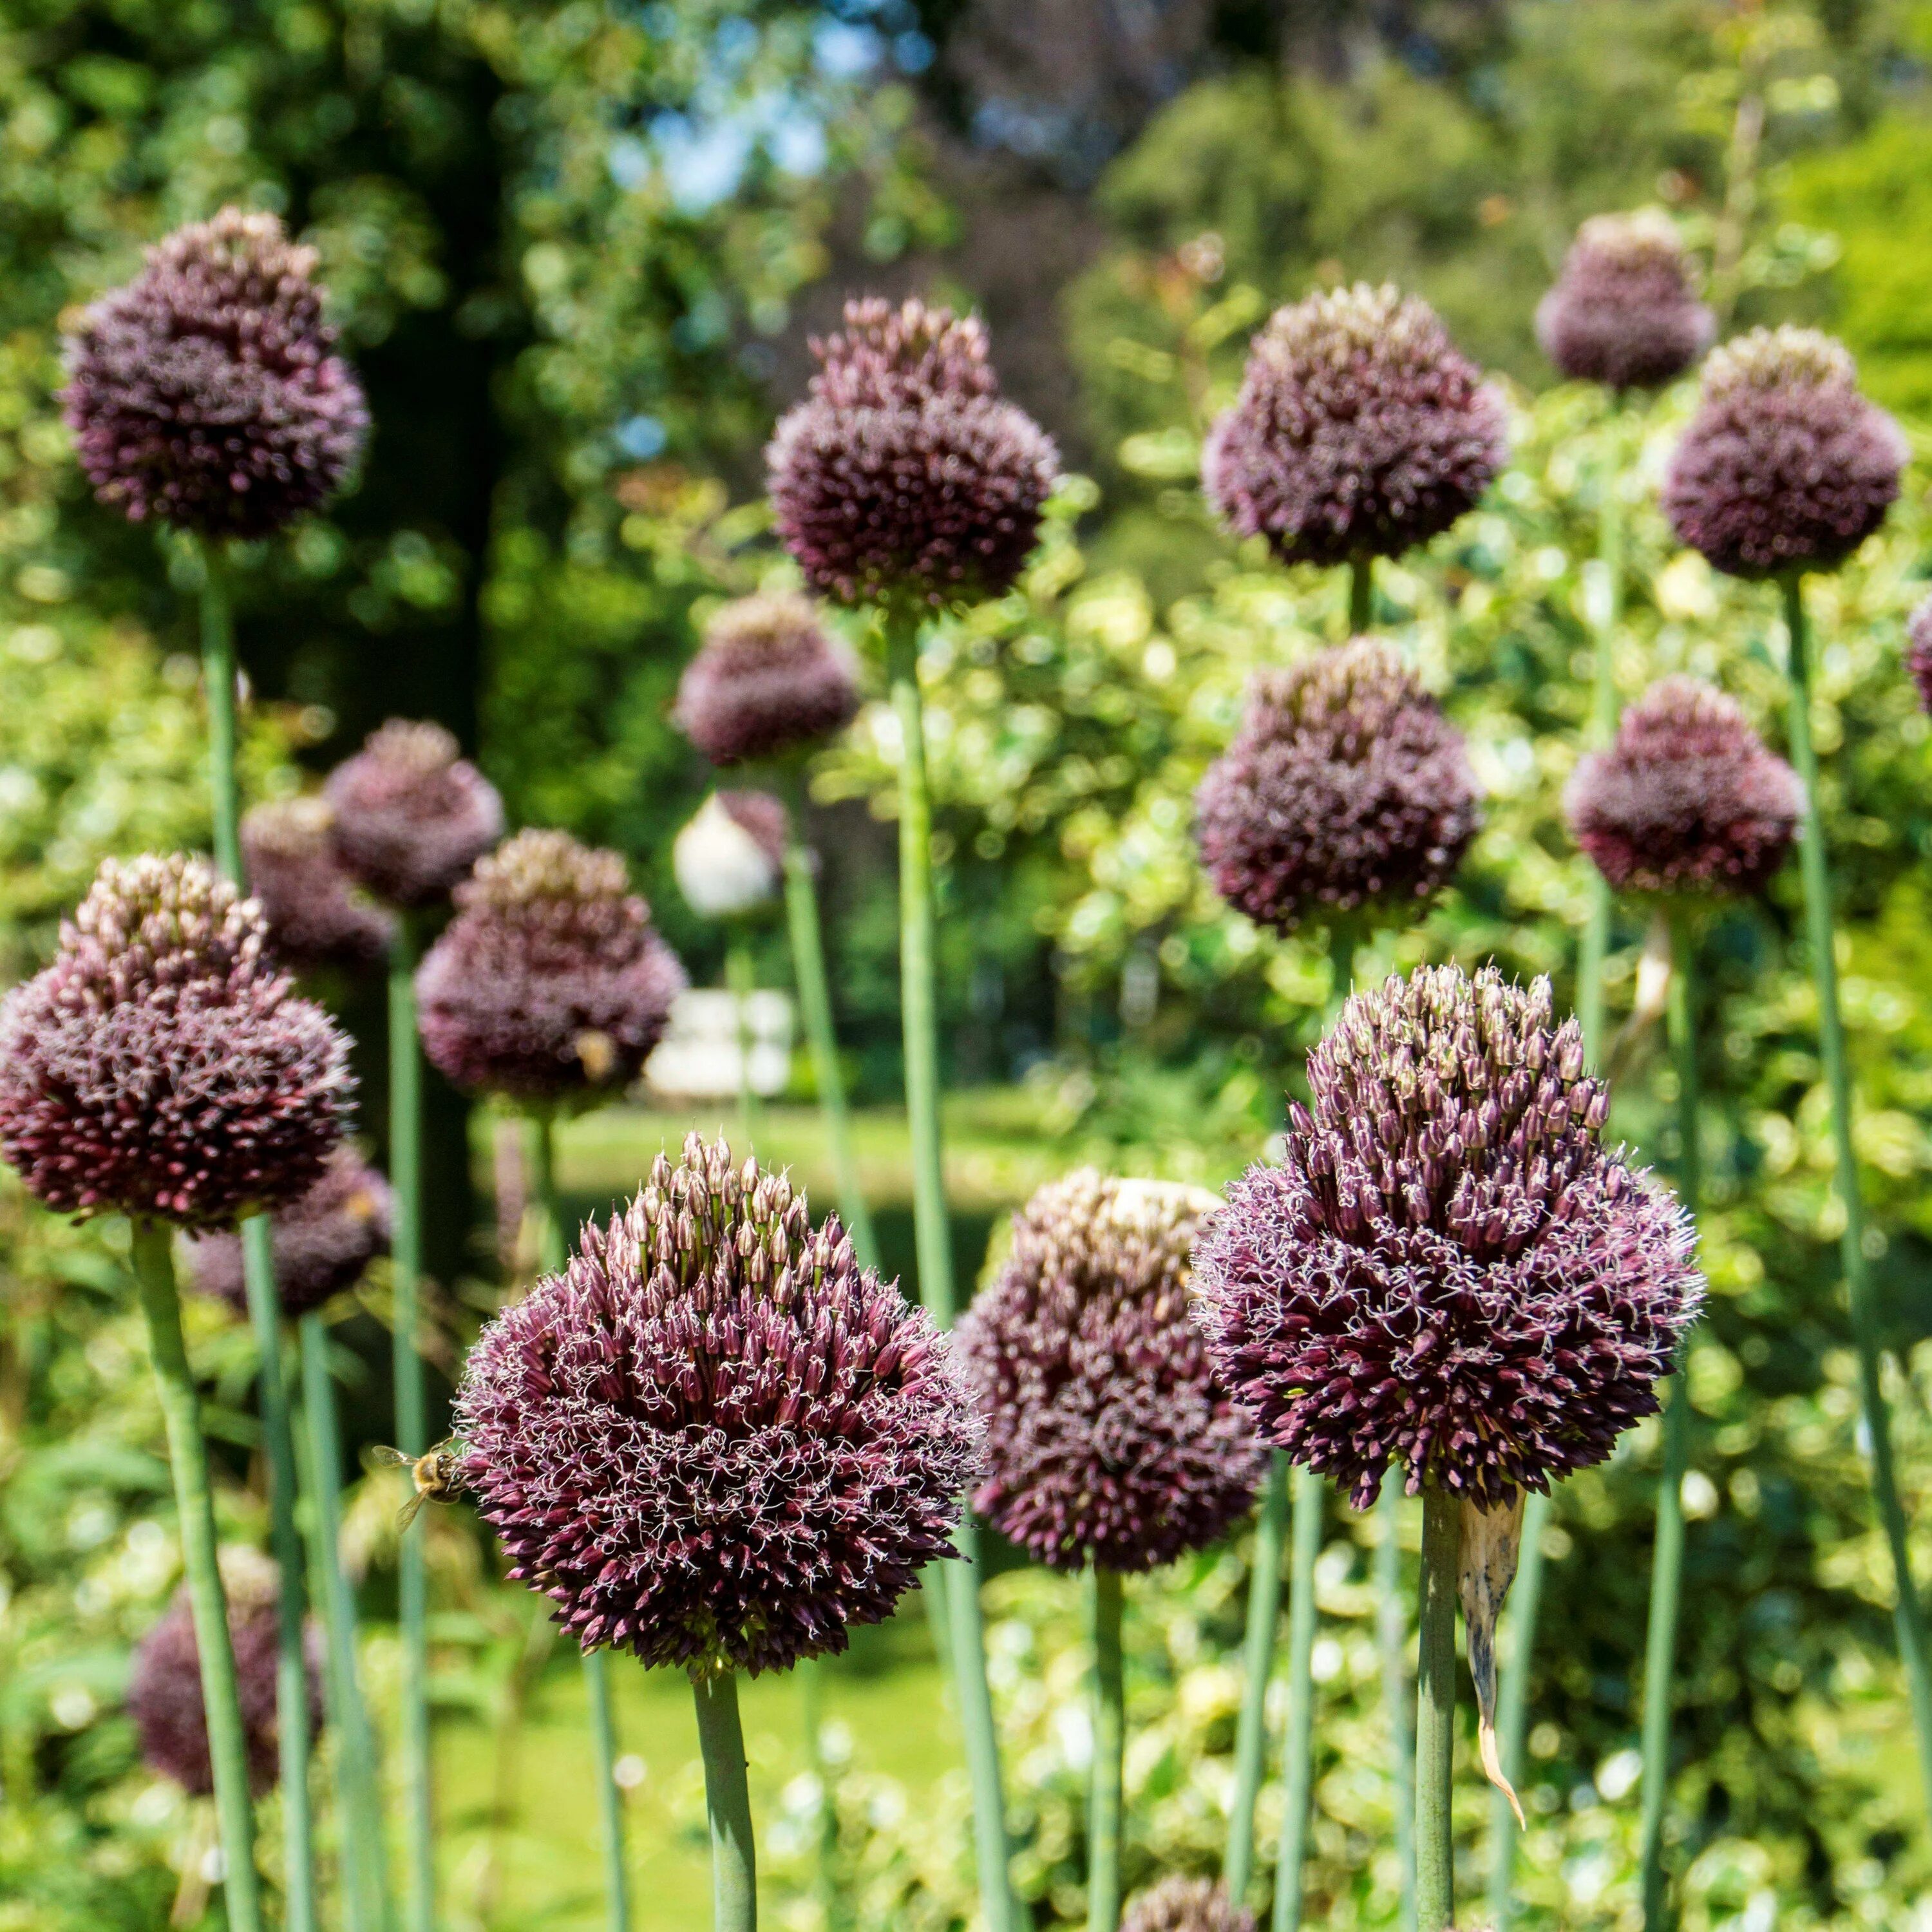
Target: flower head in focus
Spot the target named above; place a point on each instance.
(207, 391)
(729, 859)
(1185, 1905)
(1623, 313)
(316, 917)
(769, 679)
(714, 1440)
(409, 816)
(1448, 1269)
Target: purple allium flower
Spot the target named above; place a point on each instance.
(1107, 1440)
(1448, 1268)
(1346, 785)
(1786, 466)
(1360, 431)
(315, 916)
(1688, 799)
(164, 1692)
(324, 1240)
(769, 679)
(409, 816)
(1623, 313)
(1919, 651)
(163, 1064)
(904, 472)
(206, 391)
(714, 1440)
(1185, 1905)
(551, 986)
(729, 859)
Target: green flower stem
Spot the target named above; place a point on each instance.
(814, 1001)
(217, 671)
(411, 1420)
(1361, 594)
(1667, 1555)
(552, 1254)
(1391, 1642)
(365, 1881)
(812, 1708)
(727, 1804)
(933, 1240)
(1435, 1711)
(741, 976)
(1907, 1618)
(1257, 1666)
(1297, 1770)
(194, 1505)
(1110, 1739)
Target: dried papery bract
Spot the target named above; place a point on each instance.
(207, 392)
(1360, 431)
(769, 679)
(729, 859)
(316, 917)
(1625, 312)
(1185, 1905)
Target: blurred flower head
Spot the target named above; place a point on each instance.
(163, 1064)
(769, 679)
(1448, 1269)
(315, 916)
(1919, 651)
(1623, 312)
(1109, 1440)
(904, 473)
(1185, 1905)
(206, 392)
(1345, 785)
(714, 1440)
(729, 859)
(409, 816)
(551, 985)
(1786, 466)
(1360, 431)
(1688, 798)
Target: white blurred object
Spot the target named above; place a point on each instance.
(698, 1058)
(722, 870)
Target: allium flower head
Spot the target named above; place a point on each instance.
(1688, 798)
(1346, 785)
(1919, 651)
(1623, 313)
(1185, 1905)
(1360, 431)
(164, 1693)
(207, 392)
(551, 985)
(714, 1440)
(163, 1064)
(769, 679)
(1786, 466)
(1448, 1268)
(904, 472)
(316, 917)
(324, 1240)
(410, 816)
(729, 859)
(1108, 1441)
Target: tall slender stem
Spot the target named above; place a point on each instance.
(365, 1878)
(741, 976)
(1110, 1738)
(552, 1253)
(1257, 1666)
(411, 1419)
(1435, 1711)
(217, 671)
(814, 1001)
(1361, 593)
(1391, 1641)
(727, 1804)
(194, 1505)
(933, 1238)
(1907, 1618)
(1297, 1770)
(1667, 1554)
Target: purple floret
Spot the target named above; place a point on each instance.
(1919, 651)
(1623, 313)
(769, 679)
(316, 917)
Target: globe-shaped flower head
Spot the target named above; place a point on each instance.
(163, 1064)
(324, 1240)
(1623, 313)
(714, 1440)
(1688, 799)
(206, 392)
(1448, 1269)
(409, 816)
(1346, 786)
(316, 917)
(1919, 651)
(1109, 1440)
(1785, 467)
(551, 986)
(904, 473)
(1360, 431)
(1185, 1905)
(769, 679)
